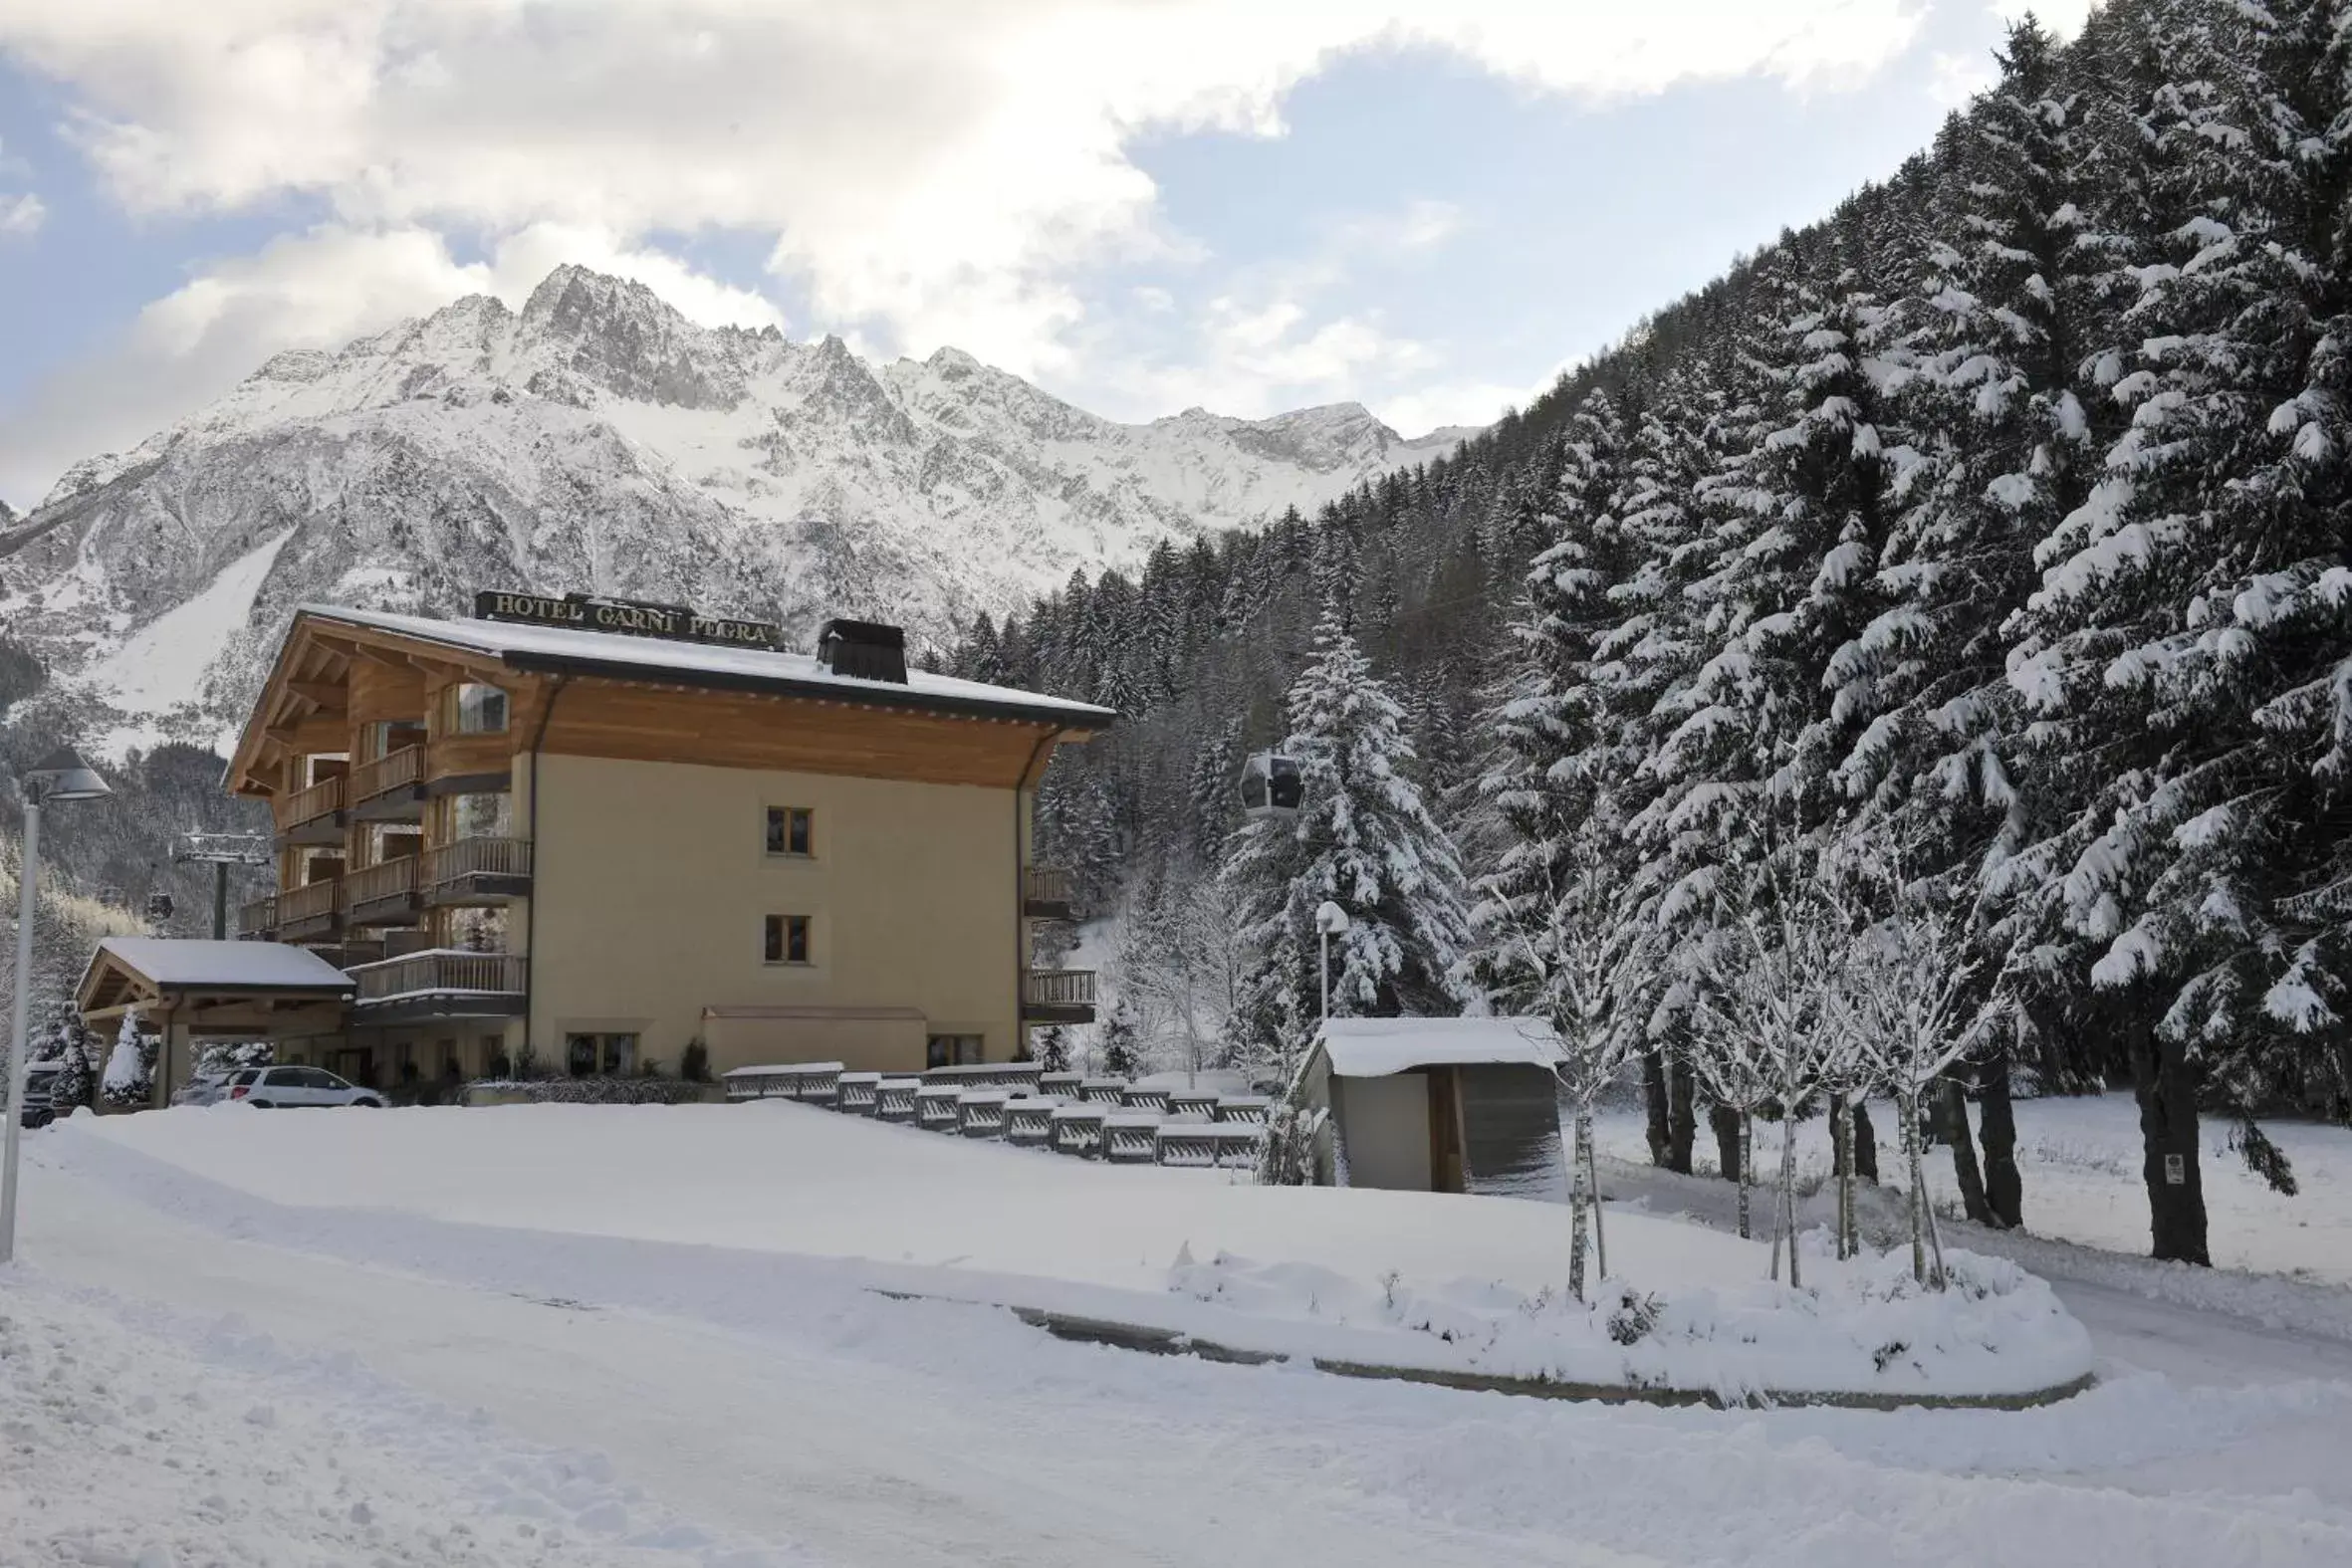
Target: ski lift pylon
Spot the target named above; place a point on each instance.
(1271, 786)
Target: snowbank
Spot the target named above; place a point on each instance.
(1416, 1281)
(1860, 1329)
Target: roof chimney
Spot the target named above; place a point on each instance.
(866, 649)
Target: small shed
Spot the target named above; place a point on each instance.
(194, 990)
(1438, 1105)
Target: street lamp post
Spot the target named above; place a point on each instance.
(1330, 921)
(63, 776)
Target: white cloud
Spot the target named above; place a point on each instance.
(20, 214)
(937, 170)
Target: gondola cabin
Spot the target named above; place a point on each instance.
(1273, 785)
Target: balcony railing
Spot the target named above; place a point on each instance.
(380, 894)
(322, 800)
(1062, 995)
(308, 909)
(1048, 891)
(392, 771)
(504, 861)
(440, 971)
(258, 917)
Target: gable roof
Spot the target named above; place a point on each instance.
(173, 963)
(621, 656)
(1377, 1048)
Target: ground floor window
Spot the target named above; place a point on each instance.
(587, 1055)
(787, 939)
(952, 1050)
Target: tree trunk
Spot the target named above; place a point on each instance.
(1601, 1239)
(1907, 1107)
(2004, 1189)
(1725, 1123)
(1580, 1202)
(1964, 1152)
(1789, 1191)
(1681, 1093)
(1865, 1145)
(1744, 1156)
(1655, 1102)
(2168, 1135)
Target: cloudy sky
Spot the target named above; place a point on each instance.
(1428, 206)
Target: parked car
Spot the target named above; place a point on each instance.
(40, 1078)
(271, 1086)
(205, 1088)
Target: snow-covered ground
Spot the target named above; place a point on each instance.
(2079, 1157)
(469, 1354)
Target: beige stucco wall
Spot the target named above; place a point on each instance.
(652, 883)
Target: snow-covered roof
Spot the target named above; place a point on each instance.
(618, 654)
(181, 963)
(1376, 1048)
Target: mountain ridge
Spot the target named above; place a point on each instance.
(595, 439)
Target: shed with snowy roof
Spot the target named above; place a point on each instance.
(1441, 1105)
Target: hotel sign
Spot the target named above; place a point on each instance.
(631, 618)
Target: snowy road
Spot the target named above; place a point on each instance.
(653, 1416)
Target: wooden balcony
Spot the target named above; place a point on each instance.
(309, 912)
(313, 815)
(441, 982)
(257, 919)
(388, 789)
(1047, 892)
(1058, 996)
(382, 895)
(475, 871)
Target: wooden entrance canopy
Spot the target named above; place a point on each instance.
(220, 989)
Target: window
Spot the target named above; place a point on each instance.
(485, 815)
(787, 939)
(478, 709)
(791, 830)
(586, 1056)
(952, 1050)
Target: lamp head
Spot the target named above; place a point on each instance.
(1331, 919)
(63, 776)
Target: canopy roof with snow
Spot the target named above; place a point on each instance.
(145, 971)
(1377, 1048)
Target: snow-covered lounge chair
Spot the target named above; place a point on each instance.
(858, 1093)
(1060, 1085)
(894, 1099)
(1131, 1137)
(980, 1113)
(792, 1081)
(1191, 1142)
(1138, 1098)
(1193, 1102)
(1029, 1121)
(1078, 1129)
(1249, 1109)
(1101, 1091)
(936, 1109)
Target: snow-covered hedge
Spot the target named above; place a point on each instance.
(583, 1091)
(1858, 1328)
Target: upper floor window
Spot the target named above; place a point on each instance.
(791, 830)
(479, 709)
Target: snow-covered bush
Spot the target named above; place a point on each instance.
(634, 1090)
(131, 1065)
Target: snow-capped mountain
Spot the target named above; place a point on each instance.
(598, 440)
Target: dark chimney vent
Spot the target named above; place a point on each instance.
(866, 649)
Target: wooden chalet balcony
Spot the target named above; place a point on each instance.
(475, 871)
(1058, 996)
(391, 788)
(312, 910)
(313, 815)
(441, 982)
(382, 895)
(1047, 892)
(257, 919)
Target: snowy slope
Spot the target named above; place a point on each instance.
(596, 439)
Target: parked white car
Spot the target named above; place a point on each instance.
(271, 1086)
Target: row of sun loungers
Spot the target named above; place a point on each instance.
(1019, 1103)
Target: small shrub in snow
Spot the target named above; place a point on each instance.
(694, 1063)
(587, 1091)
